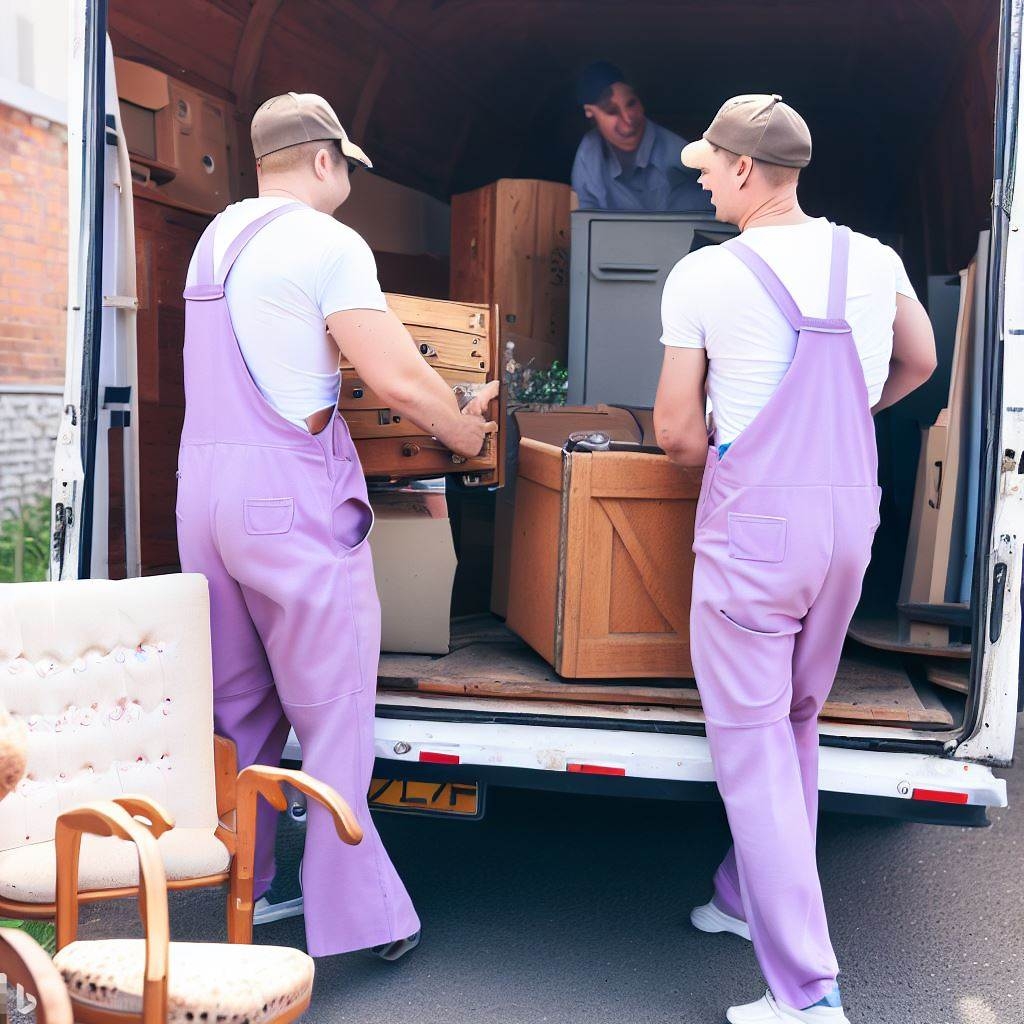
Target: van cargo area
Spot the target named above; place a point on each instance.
(451, 95)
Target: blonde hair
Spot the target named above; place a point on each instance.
(292, 157)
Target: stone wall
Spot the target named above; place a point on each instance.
(28, 433)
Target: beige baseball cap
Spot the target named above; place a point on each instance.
(759, 126)
(298, 117)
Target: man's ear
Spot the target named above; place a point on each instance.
(742, 169)
(588, 109)
(321, 163)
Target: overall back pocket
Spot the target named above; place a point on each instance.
(757, 538)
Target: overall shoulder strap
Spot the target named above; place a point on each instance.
(838, 273)
(776, 290)
(246, 235)
(203, 286)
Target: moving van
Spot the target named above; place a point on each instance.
(915, 110)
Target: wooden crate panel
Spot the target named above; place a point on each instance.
(622, 524)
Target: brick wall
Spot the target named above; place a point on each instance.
(33, 248)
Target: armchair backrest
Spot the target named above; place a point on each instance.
(113, 680)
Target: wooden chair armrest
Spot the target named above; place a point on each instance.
(24, 962)
(152, 815)
(107, 818)
(225, 761)
(260, 780)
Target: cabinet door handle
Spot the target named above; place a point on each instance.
(626, 272)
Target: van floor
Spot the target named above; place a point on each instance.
(486, 660)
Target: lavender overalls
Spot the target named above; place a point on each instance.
(785, 524)
(277, 521)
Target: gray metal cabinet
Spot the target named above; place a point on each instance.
(618, 266)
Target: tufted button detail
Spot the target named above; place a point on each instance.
(119, 657)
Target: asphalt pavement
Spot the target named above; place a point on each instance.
(573, 910)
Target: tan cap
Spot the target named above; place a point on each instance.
(298, 117)
(759, 126)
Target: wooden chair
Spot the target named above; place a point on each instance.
(24, 962)
(153, 980)
(113, 682)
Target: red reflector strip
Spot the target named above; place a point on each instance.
(939, 796)
(594, 769)
(432, 758)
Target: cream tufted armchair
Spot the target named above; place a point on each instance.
(112, 683)
(154, 980)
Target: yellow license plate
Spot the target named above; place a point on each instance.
(416, 796)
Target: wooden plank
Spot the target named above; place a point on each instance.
(440, 313)
(489, 662)
(951, 462)
(540, 463)
(951, 675)
(920, 552)
(637, 475)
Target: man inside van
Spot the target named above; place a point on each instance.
(626, 162)
(272, 505)
(799, 330)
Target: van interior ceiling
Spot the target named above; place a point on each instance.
(449, 95)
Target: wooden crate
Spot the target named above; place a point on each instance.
(458, 340)
(510, 248)
(601, 564)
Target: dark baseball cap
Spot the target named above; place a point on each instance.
(595, 79)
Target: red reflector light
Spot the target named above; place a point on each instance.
(594, 769)
(939, 796)
(432, 758)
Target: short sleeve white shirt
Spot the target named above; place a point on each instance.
(712, 301)
(297, 271)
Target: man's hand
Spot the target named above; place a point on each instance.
(477, 405)
(679, 409)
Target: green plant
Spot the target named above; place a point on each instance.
(42, 931)
(529, 386)
(25, 543)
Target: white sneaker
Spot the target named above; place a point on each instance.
(265, 912)
(710, 919)
(767, 1011)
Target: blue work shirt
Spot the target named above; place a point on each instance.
(656, 183)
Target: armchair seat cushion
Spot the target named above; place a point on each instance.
(208, 983)
(28, 873)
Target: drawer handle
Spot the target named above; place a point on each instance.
(626, 272)
(357, 392)
(409, 450)
(428, 351)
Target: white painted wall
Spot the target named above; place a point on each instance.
(34, 56)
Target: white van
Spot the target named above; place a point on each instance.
(917, 119)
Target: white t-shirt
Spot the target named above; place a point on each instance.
(712, 301)
(285, 283)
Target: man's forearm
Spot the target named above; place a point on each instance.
(902, 380)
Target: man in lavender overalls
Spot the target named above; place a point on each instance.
(798, 331)
(272, 506)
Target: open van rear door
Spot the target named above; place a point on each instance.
(997, 589)
(97, 456)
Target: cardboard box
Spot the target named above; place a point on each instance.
(601, 567)
(414, 565)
